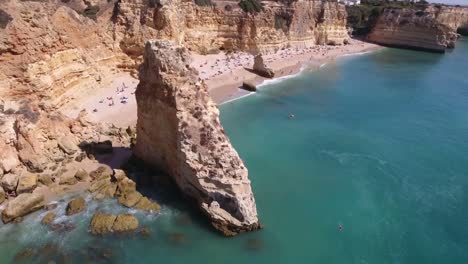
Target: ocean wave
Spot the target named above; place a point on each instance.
(343, 157)
(282, 78)
(356, 54)
(237, 98)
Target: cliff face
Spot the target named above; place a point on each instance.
(179, 131)
(226, 26)
(412, 29)
(456, 18)
(48, 49)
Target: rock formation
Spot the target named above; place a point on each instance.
(179, 131)
(102, 223)
(260, 68)
(414, 29)
(22, 205)
(455, 17)
(225, 26)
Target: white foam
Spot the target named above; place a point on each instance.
(237, 98)
(282, 78)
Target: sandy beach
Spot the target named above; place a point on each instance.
(223, 73)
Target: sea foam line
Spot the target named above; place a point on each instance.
(282, 78)
(237, 98)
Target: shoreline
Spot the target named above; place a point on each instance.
(225, 87)
(223, 74)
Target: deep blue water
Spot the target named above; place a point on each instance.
(379, 145)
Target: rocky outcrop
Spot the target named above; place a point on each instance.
(454, 17)
(179, 131)
(102, 223)
(225, 26)
(125, 223)
(22, 205)
(27, 182)
(414, 29)
(75, 206)
(48, 218)
(260, 68)
(249, 86)
(32, 136)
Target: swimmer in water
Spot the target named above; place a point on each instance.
(290, 116)
(340, 227)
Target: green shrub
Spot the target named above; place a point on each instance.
(203, 2)
(362, 18)
(251, 6)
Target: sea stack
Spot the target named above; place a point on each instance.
(179, 131)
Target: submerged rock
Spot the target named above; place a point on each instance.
(177, 238)
(254, 244)
(50, 206)
(130, 199)
(125, 223)
(145, 232)
(146, 204)
(75, 206)
(22, 205)
(102, 223)
(179, 131)
(48, 218)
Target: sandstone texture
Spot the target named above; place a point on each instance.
(27, 182)
(23, 204)
(260, 68)
(414, 29)
(454, 17)
(103, 223)
(125, 223)
(75, 206)
(179, 131)
(226, 26)
(52, 50)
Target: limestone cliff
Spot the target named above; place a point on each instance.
(227, 27)
(179, 131)
(49, 48)
(455, 17)
(413, 29)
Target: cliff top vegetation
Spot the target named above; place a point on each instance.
(361, 18)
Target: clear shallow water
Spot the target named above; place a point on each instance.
(379, 145)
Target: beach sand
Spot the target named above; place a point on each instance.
(223, 73)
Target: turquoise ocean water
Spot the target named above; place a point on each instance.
(379, 145)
